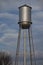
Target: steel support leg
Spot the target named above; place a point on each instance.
(18, 46)
(33, 46)
(30, 47)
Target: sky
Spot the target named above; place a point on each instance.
(9, 17)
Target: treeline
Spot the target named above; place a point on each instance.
(5, 58)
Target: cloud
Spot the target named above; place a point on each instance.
(37, 19)
(10, 19)
(8, 16)
(7, 4)
(40, 3)
(3, 27)
(9, 35)
(38, 15)
(35, 4)
(9, 38)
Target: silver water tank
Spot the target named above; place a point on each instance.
(25, 13)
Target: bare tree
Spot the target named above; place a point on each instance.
(5, 59)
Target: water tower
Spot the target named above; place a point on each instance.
(25, 24)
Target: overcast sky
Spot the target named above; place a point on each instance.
(9, 17)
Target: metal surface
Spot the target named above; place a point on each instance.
(30, 47)
(18, 46)
(25, 23)
(33, 47)
(25, 13)
(25, 47)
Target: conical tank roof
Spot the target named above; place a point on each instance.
(25, 5)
